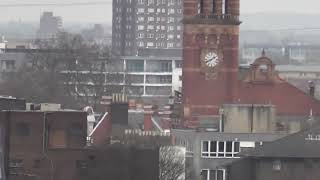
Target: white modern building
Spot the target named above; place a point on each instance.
(136, 76)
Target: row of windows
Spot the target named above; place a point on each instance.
(150, 2)
(158, 2)
(23, 129)
(224, 7)
(158, 27)
(158, 44)
(158, 10)
(220, 149)
(218, 174)
(19, 163)
(158, 19)
(152, 35)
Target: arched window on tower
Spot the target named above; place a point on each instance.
(214, 7)
(200, 6)
(224, 7)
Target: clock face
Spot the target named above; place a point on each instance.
(211, 59)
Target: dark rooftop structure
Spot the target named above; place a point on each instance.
(12, 103)
(293, 157)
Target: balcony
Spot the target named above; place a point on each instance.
(227, 19)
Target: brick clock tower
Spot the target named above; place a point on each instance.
(210, 58)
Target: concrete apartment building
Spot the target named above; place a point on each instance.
(49, 25)
(147, 35)
(146, 24)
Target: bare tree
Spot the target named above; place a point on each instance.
(64, 70)
(172, 163)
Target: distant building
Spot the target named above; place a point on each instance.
(96, 35)
(49, 25)
(146, 24)
(301, 76)
(290, 53)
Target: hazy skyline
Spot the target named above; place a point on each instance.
(103, 13)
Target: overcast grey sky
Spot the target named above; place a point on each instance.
(102, 13)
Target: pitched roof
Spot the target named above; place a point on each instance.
(304, 144)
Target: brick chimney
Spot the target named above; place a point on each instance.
(312, 88)
(148, 111)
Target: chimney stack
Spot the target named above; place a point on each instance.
(148, 125)
(312, 88)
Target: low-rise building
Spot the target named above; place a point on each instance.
(53, 145)
(12, 103)
(207, 151)
(290, 158)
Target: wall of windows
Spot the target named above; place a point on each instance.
(159, 66)
(218, 174)
(220, 149)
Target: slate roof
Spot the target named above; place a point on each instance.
(304, 144)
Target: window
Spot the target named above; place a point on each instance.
(150, 36)
(57, 138)
(80, 164)
(23, 129)
(171, 11)
(151, 10)
(140, 44)
(170, 19)
(36, 163)
(16, 163)
(140, 18)
(135, 66)
(152, 79)
(224, 7)
(8, 65)
(178, 64)
(75, 129)
(276, 165)
(170, 45)
(170, 2)
(218, 174)
(220, 149)
(150, 44)
(200, 6)
(140, 10)
(150, 27)
(159, 66)
(141, 27)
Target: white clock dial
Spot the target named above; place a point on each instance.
(211, 59)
